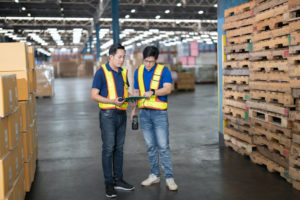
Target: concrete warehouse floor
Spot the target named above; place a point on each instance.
(69, 166)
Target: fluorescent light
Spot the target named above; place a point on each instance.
(133, 10)
(77, 35)
(127, 16)
(37, 38)
(43, 51)
(167, 11)
(23, 8)
(179, 4)
(200, 12)
(157, 17)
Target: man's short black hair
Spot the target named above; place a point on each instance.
(113, 49)
(150, 51)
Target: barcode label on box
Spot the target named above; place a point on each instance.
(17, 131)
(10, 98)
(6, 138)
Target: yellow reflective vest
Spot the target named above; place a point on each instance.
(153, 102)
(112, 91)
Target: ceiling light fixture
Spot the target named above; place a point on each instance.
(23, 8)
(62, 9)
(133, 10)
(167, 11)
(29, 15)
(157, 17)
(127, 16)
(200, 12)
(179, 4)
(17, 1)
(216, 5)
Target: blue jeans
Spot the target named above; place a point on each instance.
(155, 128)
(113, 129)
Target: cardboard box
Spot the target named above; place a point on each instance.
(19, 187)
(6, 175)
(27, 169)
(22, 83)
(25, 111)
(18, 159)
(13, 130)
(31, 57)
(3, 136)
(8, 94)
(10, 195)
(13, 56)
(26, 147)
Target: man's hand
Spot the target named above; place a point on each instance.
(148, 94)
(117, 102)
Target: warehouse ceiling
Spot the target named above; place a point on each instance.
(35, 21)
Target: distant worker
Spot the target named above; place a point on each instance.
(154, 80)
(109, 85)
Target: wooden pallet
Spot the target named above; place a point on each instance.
(296, 128)
(239, 135)
(236, 95)
(272, 97)
(275, 108)
(258, 36)
(241, 16)
(293, 3)
(241, 31)
(271, 76)
(294, 50)
(272, 146)
(276, 43)
(236, 64)
(280, 54)
(238, 24)
(270, 86)
(236, 72)
(295, 38)
(269, 117)
(270, 24)
(295, 152)
(294, 71)
(269, 66)
(239, 146)
(274, 156)
(239, 48)
(239, 40)
(259, 159)
(294, 59)
(271, 13)
(271, 127)
(241, 122)
(295, 82)
(245, 7)
(294, 25)
(241, 128)
(236, 104)
(271, 136)
(293, 13)
(294, 115)
(236, 112)
(294, 173)
(266, 5)
(236, 79)
(238, 88)
(237, 56)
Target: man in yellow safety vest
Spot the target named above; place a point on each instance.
(109, 85)
(154, 81)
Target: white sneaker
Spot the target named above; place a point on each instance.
(150, 180)
(170, 183)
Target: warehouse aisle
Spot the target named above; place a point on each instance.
(69, 166)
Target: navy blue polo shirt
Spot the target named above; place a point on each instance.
(100, 81)
(165, 78)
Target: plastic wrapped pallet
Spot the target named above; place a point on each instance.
(45, 80)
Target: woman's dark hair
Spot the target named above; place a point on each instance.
(113, 49)
(150, 51)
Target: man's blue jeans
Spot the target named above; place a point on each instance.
(113, 129)
(155, 127)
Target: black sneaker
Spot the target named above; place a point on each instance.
(110, 190)
(122, 185)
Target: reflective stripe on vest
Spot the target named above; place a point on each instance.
(112, 91)
(153, 102)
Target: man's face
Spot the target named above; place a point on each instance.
(118, 59)
(149, 62)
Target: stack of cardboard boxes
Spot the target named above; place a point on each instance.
(45, 80)
(18, 128)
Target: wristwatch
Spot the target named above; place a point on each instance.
(153, 91)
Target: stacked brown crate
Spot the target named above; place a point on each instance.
(11, 148)
(270, 87)
(293, 16)
(239, 28)
(17, 59)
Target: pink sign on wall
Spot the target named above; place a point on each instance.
(194, 48)
(184, 60)
(191, 60)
